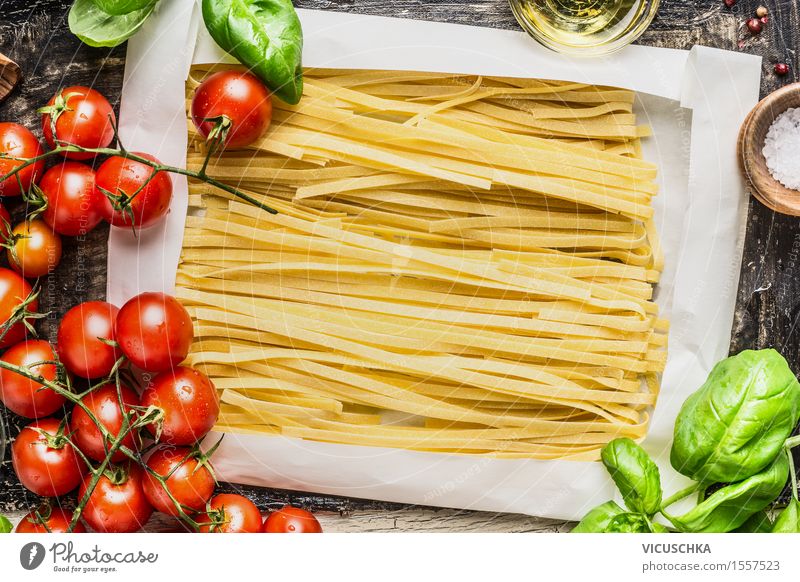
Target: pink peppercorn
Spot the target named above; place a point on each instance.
(754, 24)
(781, 69)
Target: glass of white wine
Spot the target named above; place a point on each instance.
(585, 27)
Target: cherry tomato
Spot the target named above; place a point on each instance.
(83, 117)
(49, 520)
(189, 482)
(117, 504)
(14, 291)
(291, 520)
(79, 345)
(122, 178)
(103, 402)
(18, 142)
(22, 395)
(239, 96)
(35, 250)
(73, 202)
(189, 401)
(44, 461)
(231, 513)
(5, 221)
(154, 331)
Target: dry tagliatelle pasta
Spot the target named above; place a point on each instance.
(458, 264)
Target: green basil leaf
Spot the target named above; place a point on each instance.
(729, 507)
(628, 523)
(635, 474)
(118, 7)
(5, 525)
(737, 422)
(789, 519)
(658, 528)
(98, 28)
(598, 519)
(759, 522)
(265, 36)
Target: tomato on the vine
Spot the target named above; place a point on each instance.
(49, 520)
(22, 395)
(291, 520)
(44, 461)
(188, 480)
(126, 200)
(231, 513)
(189, 401)
(83, 117)
(103, 402)
(16, 304)
(118, 503)
(234, 106)
(17, 141)
(72, 200)
(154, 331)
(80, 334)
(34, 250)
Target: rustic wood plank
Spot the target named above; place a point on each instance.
(401, 520)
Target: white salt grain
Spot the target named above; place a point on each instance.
(782, 148)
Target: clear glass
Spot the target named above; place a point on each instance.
(585, 27)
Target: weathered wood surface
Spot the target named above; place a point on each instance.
(34, 34)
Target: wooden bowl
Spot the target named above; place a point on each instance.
(10, 75)
(765, 188)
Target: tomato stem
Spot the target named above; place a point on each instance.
(131, 422)
(158, 167)
(21, 314)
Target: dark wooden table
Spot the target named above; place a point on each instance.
(34, 33)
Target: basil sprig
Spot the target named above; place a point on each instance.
(635, 474)
(99, 28)
(265, 36)
(732, 437)
(118, 7)
(5, 525)
(738, 421)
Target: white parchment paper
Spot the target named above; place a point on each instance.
(695, 100)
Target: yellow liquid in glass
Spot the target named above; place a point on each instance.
(581, 23)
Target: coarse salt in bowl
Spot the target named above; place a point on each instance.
(781, 148)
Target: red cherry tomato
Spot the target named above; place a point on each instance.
(189, 482)
(44, 461)
(123, 177)
(79, 346)
(18, 142)
(118, 505)
(14, 290)
(83, 117)
(73, 202)
(103, 402)
(49, 520)
(22, 395)
(35, 249)
(231, 513)
(154, 331)
(291, 520)
(189, 401)
(239, 96)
